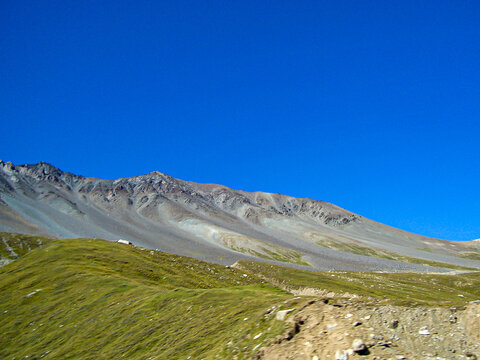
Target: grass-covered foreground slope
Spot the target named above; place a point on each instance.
(93, 299)
(397, 288)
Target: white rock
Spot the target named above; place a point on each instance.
(33, 293)
(256, 346)
(358, 345)
(282, 314)
(315, 357)
(348, 316)
(424, 332)
(341, 355)
(257, 336)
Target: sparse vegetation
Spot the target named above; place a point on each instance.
(358, 249)
(15, 245)
(262, 249)
(425, 249)
(286, 255)
(470, 255)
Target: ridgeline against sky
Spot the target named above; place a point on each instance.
(371, 105)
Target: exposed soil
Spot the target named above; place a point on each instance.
(326, 330)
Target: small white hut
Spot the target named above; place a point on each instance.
(126, 242)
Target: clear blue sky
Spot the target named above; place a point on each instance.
(371, 105)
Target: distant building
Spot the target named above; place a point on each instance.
(126, 242)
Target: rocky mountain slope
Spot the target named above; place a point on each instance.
(214, 222)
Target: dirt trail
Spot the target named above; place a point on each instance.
(326, 331)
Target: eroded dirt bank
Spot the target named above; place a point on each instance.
(327, 329)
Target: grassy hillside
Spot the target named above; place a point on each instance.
(397, 288)
(94, 299)
(91, 299)
(14, 245)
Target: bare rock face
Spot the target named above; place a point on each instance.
(210, 222)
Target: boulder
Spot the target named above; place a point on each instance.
(341, 355)
(358, 346)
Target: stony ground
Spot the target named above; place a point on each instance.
(348, 329)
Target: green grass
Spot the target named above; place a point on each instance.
(280, 254)
(20, 244)
(397, 288)
(470, 255)
(262, 249)
(425, 249)
(287, 255)
(102, 300)
(94, 299)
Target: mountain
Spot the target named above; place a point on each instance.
(214, 223)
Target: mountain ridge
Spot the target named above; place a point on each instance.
(210, 221)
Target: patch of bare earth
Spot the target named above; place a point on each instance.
(327, 330)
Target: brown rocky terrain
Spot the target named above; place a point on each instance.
(358, 329)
